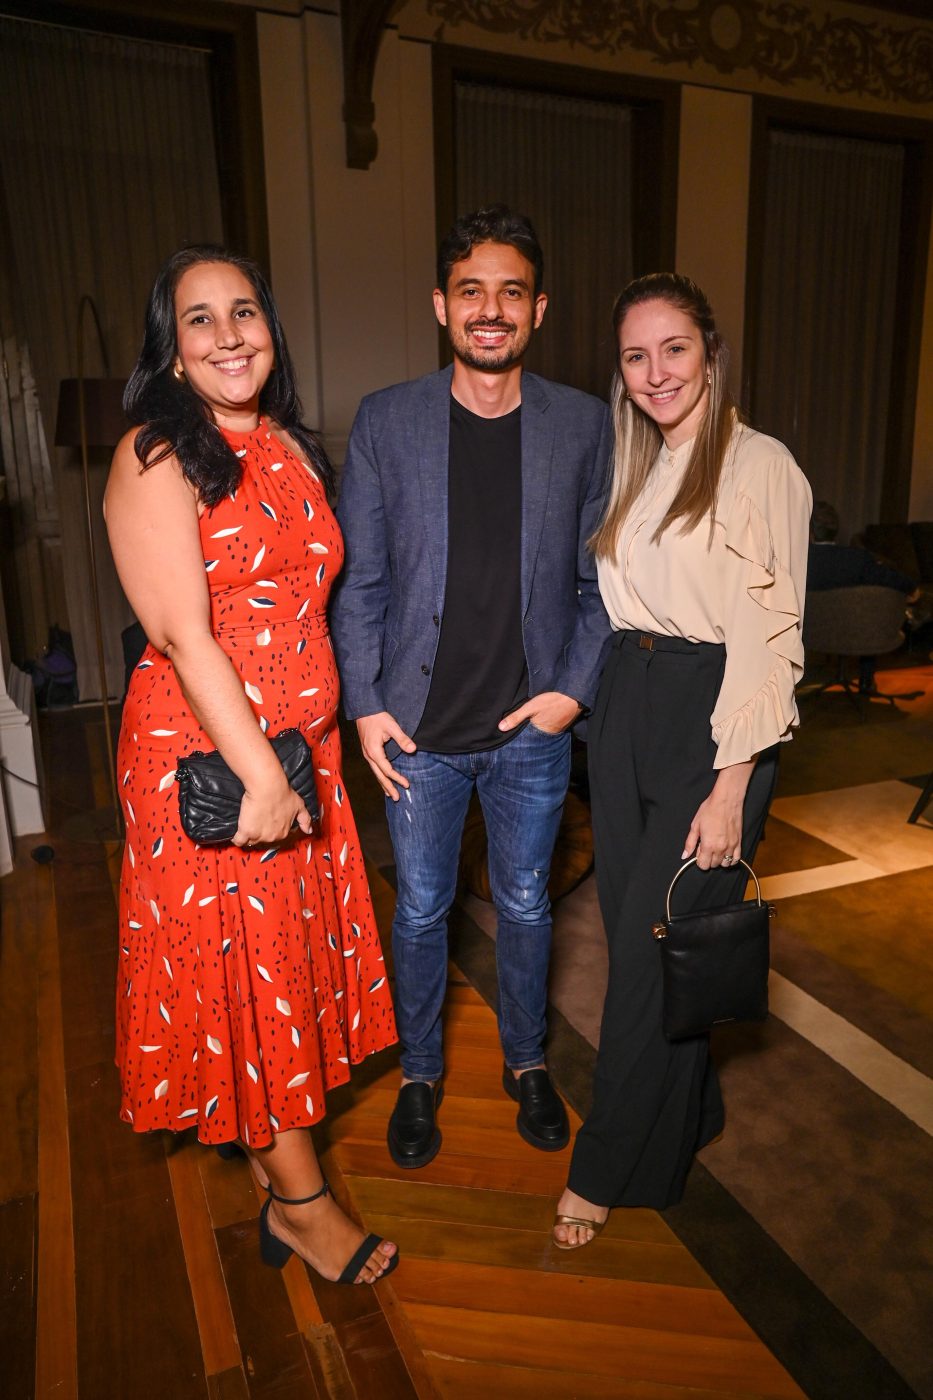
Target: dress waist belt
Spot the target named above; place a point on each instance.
(653, 641)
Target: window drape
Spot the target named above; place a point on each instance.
(107, 164)
(566, 163)
(826, 317)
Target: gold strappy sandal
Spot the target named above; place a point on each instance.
(594, 1225)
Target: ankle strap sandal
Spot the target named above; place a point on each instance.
(276, 1252)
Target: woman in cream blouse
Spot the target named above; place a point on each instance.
(702, 559)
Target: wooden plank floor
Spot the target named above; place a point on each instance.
(130, 1266)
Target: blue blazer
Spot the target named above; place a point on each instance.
(389, 602)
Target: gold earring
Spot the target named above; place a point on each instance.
(178, 372)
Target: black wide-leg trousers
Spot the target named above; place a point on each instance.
(655, 1102)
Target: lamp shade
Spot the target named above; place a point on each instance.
(104, 420)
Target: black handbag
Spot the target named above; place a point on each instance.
(714, 964)
(210, 793)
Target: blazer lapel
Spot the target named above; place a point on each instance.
(433, 452)
(537, 447)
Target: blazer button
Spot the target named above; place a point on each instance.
(425, 670)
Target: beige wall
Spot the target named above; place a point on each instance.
(352, 250)
(712, 205)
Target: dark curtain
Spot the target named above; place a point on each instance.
(107, 164)
(566, 163)
(826, 317)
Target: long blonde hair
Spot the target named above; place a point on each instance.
(638, 438)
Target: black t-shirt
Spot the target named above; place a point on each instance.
(480, 672)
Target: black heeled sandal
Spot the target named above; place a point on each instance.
(276, 1253)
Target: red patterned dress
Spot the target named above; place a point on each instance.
(249, 980)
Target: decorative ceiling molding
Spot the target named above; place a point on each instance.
(362, 23)
(776, 39)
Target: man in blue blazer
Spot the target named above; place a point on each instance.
(470, 635)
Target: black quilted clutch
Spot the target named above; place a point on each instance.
(714, 964)
(210, 793)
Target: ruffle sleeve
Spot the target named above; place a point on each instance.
(766, 536)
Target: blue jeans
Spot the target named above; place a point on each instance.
(521, 788)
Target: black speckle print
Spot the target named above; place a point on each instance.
(248, 981)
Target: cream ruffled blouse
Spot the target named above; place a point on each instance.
(746, 591)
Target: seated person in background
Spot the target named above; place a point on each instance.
(832, 565)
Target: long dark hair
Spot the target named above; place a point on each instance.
(174, 419)
(638, 439)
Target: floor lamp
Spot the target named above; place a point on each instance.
(90, 414)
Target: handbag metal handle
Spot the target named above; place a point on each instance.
(686, 865)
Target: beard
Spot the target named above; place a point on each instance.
(496, 358)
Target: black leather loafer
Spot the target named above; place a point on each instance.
(414, 1138)
(542, 1118)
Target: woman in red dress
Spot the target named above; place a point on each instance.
(250, 974)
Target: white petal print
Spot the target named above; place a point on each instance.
(258, 560)
(211, 1107)
(303, 609)
(263, 638)
(263, 505)
(282, 1005)
(346, 896)
(302, 694)
(131, 856)
(167, 780)
(189, 1113)
(162, 733)
(222, 534)
(208, 899)
(164, 1014)
(344, 852)
(256, 903)
(263, 973)
(309, 1104)
(129, 808)
(161, 1089)
(155, 910)
(266, 583)
(134, 923)
(298, 1079)
(157, 847)
(187, 896)
(253, 1072)
(214, 1044)
(148, 1049)
(317, 548)
(296, 1036)
(356, 1021)
(168, 968)
(253, 691)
